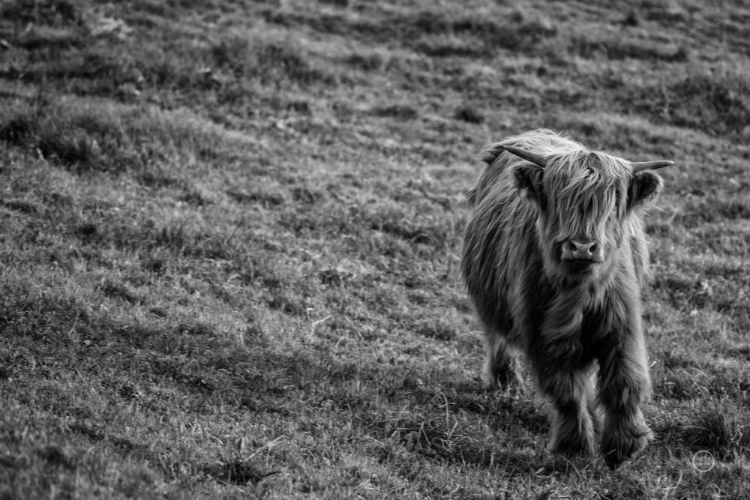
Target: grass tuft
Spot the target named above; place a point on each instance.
(400, 111)
(469, 114)
(718, 428)
(86, 139)
(49, 12)
(270, 61)
(717, 101)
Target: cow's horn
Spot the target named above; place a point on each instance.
(536, 159)
(640, 166)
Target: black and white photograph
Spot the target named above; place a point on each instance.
(375, 249)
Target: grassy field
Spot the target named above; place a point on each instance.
(230, 233)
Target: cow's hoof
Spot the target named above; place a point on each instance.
(568, 441)
(571, 448)
(624, 444)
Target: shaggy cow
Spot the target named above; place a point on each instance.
(554, 257)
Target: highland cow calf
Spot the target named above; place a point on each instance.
(554, 258)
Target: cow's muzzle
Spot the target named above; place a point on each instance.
(580, 254)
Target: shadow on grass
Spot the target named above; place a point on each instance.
(439, 421)
(432, 416)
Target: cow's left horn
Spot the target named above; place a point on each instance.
(640, 166)
(536, 159)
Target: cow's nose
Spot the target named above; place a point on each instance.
(584, 250)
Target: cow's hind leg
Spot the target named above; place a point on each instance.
(575, 422)
(502, 367)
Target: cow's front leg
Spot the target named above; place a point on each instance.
(501, 368)
(624, 383)
(574, 423)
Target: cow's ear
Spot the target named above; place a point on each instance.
(644, 187)
(529, 181)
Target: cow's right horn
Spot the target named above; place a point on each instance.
(640, 166)
(536, 159)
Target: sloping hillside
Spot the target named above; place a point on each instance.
(229, 239)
